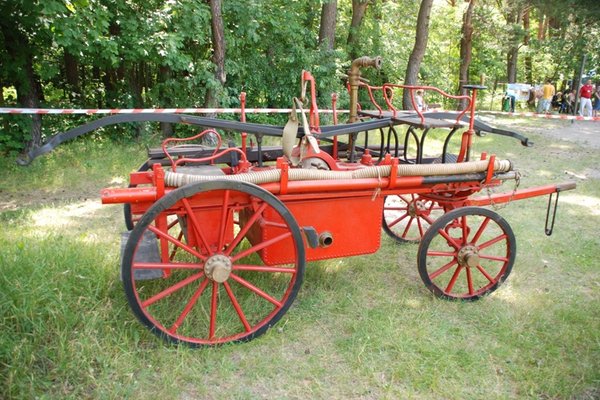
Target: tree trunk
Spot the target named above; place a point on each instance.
(414, 61)
(218, 57)
(528, 58)
(110, 79)
(71, 75)
(511, 64)
(466, 42)
(135, 81)
(24, 78)
(327, 27)
(541, 33)
(512, 56)
(359, 7)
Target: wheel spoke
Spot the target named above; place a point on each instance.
(176, 242)
(482, 227)
(274, 224)
(435, 206)
(263, 268)
(255, 289)
(443, 269)
(172, 224)
(428, 219)
(412, 197)
(213, 310)
(387, 208)
(188, 307)
(469, 281)
(172, 255)
(245, 229)
(485, 273)
(465, 229)
(172, 289)
(420, 225)
(408, 225)
(195, 225)
(224, 218)
(441, 253)
(492, 241)
(398, 220)
(449, 238)
(236, 306)
(172, 265)
(494, 258)
(261, 246)
(453, 280)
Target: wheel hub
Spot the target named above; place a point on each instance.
(218, 268)
(468, 256)
(416, 208)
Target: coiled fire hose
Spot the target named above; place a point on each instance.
(176, 179)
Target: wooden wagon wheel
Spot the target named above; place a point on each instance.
(406, 218)
(216, 288)
(466, 253)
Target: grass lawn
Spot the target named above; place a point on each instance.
(361, 328)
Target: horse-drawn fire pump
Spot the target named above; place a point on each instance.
(219, 236)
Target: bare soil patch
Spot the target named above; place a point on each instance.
(585, 133)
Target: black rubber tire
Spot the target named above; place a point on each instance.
(262, 206)
(441, 256)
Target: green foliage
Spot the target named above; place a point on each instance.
(13, 133)
(129, 53)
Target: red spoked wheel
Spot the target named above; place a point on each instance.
(215, 287)
(406, 218)
(467, 253)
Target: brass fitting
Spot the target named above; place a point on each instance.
(354, 80)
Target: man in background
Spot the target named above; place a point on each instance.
(548, 92)
(585, 102)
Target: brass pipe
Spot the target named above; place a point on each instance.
(354, 80)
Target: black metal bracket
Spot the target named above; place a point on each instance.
(311, 236)
(548, 229)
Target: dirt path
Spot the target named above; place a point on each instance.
(585, 133)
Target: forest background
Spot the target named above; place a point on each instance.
(191, 53)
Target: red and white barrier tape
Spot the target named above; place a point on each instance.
(528, 114)
(248, 111)
(536, 115)
(153, 111)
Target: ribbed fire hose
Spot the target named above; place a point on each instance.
(177, 179)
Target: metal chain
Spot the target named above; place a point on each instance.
(497, 207)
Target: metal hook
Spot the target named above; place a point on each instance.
(548, 229)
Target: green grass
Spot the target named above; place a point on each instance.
(361, 328)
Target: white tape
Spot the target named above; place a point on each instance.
(251, 111)
(154, 111)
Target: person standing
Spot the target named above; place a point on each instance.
(596, 101)
(420, 102)
(585, 95)
(571, 102)
(548, 92)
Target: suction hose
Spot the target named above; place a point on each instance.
(297, 174)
